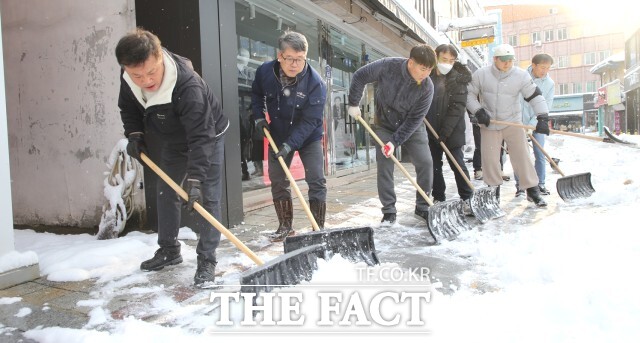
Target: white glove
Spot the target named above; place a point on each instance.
(388, 149)
(354, 111)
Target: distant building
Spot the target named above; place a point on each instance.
(572, 42)
(632, 82)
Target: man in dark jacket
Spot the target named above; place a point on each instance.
(403, 96)
(446, 116)
(293, 95)
(165, 103)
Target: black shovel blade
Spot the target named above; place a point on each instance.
(447, 220)
(288, 269)
(575, 186)
(354, 244)
(485, 205)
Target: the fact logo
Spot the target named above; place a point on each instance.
(389, 298)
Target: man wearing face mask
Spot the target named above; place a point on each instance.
(403, 96)
(446, 116)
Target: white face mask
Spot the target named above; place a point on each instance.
(444, 68)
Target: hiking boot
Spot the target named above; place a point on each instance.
(544, 190)
(505, 177)
(284, 211)
(388, 218)
(205, 273)
(165, 256)
(533, 194)
(318, 210)
(477, 174)
(466, 208)
(519, 193)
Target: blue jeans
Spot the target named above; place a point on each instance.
(541, 161)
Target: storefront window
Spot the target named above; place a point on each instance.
(258, 28)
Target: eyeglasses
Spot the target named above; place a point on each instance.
(505, 58)
(292, 61)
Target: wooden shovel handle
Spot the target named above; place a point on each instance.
(231, 237)
(553, 164)
(446, 150)
(292, 181)
(573, 134)
(395, 160)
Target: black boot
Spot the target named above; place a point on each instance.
(319, 210)
(533, 194)
(205, 273)
(388, 218)
(165, 256)
(284, 211)
(498, 194)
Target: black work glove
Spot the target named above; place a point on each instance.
(194, 191)
(136, 145)
(543, 124)
(262, 124)
(483, 117)
(284, 150)
(443, 136)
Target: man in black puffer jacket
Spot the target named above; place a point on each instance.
(166, 104)
(446, 116)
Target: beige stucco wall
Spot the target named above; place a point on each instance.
(61, 90)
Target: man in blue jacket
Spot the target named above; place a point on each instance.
(292, 94)
(164, 103)
(539, 71)
(403, 95)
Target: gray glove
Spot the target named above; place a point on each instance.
(194, 192)
(284, 150)
(262, 124)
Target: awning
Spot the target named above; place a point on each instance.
(403, 14)
(565, 113)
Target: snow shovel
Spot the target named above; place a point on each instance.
(354, 244)
(572, 186)
(483, 202)
(277, 269)
(610, 139)
(445, 219)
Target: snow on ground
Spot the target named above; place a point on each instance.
(565, 273)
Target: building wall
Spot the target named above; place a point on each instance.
(61, 89)
(523, 20)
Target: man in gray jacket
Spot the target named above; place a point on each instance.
(403, 96)
(494, 93)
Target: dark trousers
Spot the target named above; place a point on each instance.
(417, 147)
(439, 186)
(312, 158)
(477, 153)
(173, 160)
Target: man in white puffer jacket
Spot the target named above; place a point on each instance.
(494, 94)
